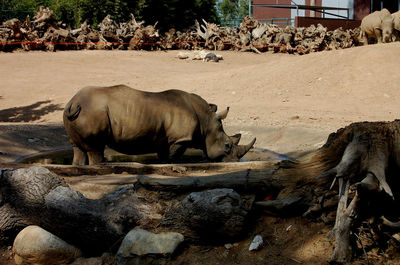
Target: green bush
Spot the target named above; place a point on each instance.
(179, 14)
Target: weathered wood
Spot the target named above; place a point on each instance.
(344, 219)
(37, 196)
(213, 216)
(362, 154)
(161, 169)
(247, 180)
(393, 225)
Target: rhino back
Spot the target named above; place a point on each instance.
(371, 21)
(375, 19)
(396, 20)
(167, 115)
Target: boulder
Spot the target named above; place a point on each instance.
(34, 245)
(140, 245)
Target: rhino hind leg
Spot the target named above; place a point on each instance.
(95, 157)
(80, 157)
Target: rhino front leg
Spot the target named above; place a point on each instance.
(80, 157)
(176, 150)
(364, 38)
(378, 35)
(172, 152)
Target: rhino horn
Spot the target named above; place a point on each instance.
(243, 149)
(222, 115)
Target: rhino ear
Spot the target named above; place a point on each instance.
(213, 107)
(222, 115)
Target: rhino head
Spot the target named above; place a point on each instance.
(386, 28)
(220, 146)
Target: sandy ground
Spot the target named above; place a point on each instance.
(290, 103)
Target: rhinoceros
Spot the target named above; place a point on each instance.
(132, 121)
(396, 25)
(378, 25)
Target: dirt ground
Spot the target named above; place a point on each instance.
(289, 103)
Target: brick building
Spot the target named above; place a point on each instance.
(330, 13)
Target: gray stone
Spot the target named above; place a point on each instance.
(228, 246)
(140, 243)
(34, 245)
(257, 243)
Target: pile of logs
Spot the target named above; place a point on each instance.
(45, 33)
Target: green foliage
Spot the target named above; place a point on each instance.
(179, 14)
(243, 9)
(16, 9)
(232, 11)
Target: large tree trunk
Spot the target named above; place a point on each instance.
(364, 154)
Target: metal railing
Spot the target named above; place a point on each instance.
(282, 21)
(232, 22)
(294, 5)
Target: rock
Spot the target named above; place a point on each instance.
(34, 245)
(200, 55)
(257, 243)
(139, 244)
(211, 57)
(183, 55)
(228, 246)
(179, 169)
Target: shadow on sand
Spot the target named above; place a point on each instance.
(28, 113)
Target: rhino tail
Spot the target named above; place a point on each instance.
(72, 111)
